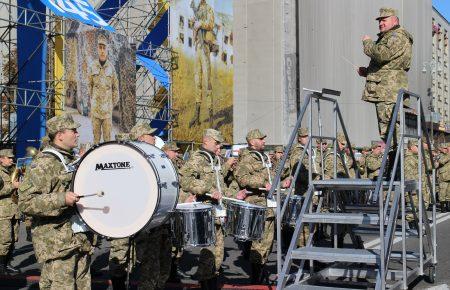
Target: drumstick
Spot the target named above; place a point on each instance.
(227, 198)
(104, 209)
(98, 193)
(349, 62)
(265, 189)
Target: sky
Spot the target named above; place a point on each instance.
(443, 6)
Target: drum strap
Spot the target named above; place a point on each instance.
(219, 208)
(267, 164)
(78, 226)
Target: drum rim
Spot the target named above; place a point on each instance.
(248, 205)
(128, 143)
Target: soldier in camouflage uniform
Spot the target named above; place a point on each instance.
(252, 174)
(200, 176)
(390, 60)
(374, 159)
(153, 248)
(9, 223)
(444, 177)
(60, 245)
(341, 160)
(173, 151)
(120, 250)
(103, 88)
(204, 40)
(412, 173)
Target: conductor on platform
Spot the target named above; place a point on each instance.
(390, 60)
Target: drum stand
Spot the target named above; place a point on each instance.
(130, 258)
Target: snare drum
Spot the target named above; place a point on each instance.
(245, 221)
(193, 225)
(293, 210)
(140, 186)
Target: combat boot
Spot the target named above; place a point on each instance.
(255, 277)
(196, 118)
(119, 283)
(174, 274)
(444, 206)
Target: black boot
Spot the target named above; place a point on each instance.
(443, 206)
(255, 278)
(210, 284)
(2, 265)
(174, 277)
(119, 283)
(9, 268)
(196, 118)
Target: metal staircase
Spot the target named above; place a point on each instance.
(383, 216)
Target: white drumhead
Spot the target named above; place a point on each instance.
(192, 206)
(130, 187)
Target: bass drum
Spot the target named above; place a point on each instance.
(139, 185)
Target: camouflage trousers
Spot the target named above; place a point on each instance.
(203, 74)
(444, 191)
(70, 273)
(415, 198)
(154, 251)
(211, 257)
(118, 257)
(101, 127)
(260, 250)
(9, 229)
(384, 114)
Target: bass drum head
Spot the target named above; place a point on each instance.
(129, 184)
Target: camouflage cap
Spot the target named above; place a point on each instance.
(386, 12)
(365, 148)
(341, 138)
(216, 135)
(141, 129)
(102, 39)
(59, 123)
(172, 146)
(302, 132)
(6, 153)
(255, 134)
(279, 149)
(412, 142)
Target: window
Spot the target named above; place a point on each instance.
(224, 57)
(181, 37)
(232, 59)
(181, 24)
(190, 41)
(231, 38)
(225, 39)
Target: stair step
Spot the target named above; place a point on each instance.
(357, 184)
(376, 231)
(367, 256)
(314, 287)
(336, 255)
(342, 218)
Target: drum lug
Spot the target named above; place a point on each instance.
(163, 184)
(175, 184)
(151, 156)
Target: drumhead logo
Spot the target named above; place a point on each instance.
(113, 165)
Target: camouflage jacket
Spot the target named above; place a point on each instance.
(444, 168)
(327, 161)
(302, 182)
(373, 163)
(251, 174)
(341, 165)
(205, 17)
(390, 61)
(42, 196)
(198, 177)
(103, 89)
(412, 168)
(8, 208)
(362, 166)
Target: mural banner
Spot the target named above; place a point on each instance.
(201, 32)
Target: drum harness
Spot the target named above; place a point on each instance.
(78, 226)
(219, 209)
(270, 200)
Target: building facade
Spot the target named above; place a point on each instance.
(284, 46)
